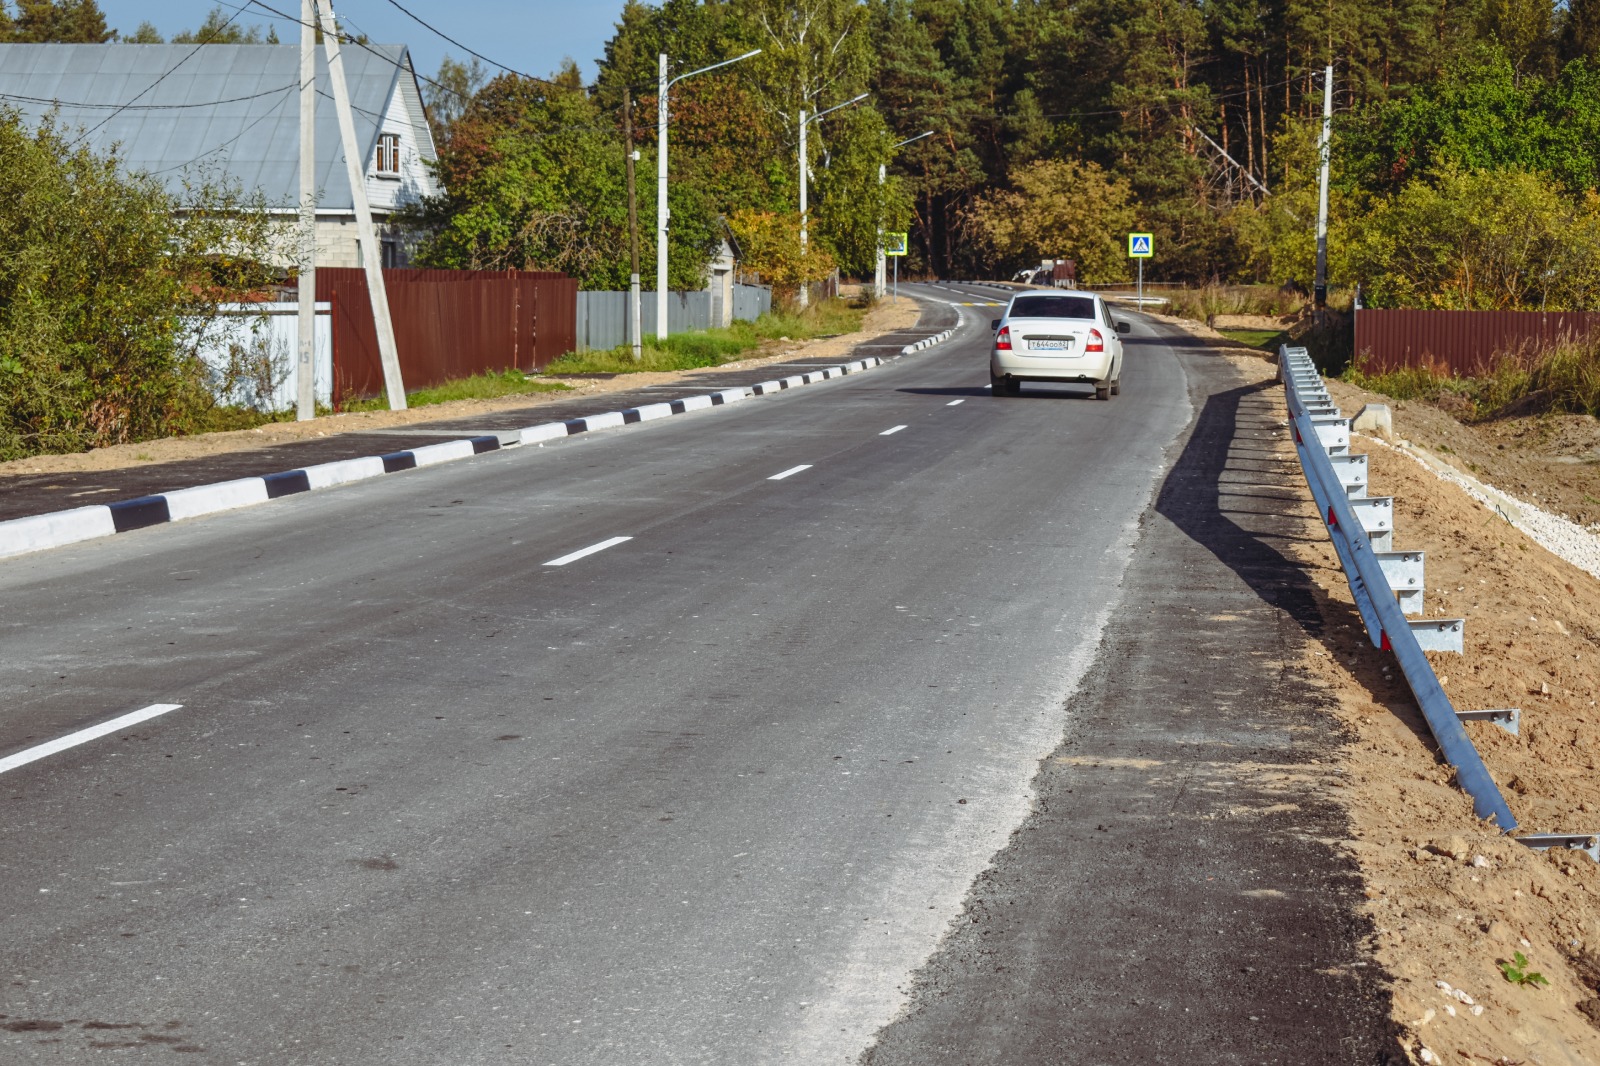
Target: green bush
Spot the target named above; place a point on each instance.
(107, 283)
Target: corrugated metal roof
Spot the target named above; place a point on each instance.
(231, 107)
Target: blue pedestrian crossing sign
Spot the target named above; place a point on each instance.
(1141, 245)
(894, 244)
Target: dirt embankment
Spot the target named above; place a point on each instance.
(1453, 900)
(881, 319)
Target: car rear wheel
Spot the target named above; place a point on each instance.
(1102, 393)
(1000, 386)
(1116, 387)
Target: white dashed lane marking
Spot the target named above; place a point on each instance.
(83, 736)
(790, 472)
(590, 550)
(890, 431)
(952, 403)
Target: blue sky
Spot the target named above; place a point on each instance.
(528, 35)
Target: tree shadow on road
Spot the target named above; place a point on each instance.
(1235, 494)
(1231, 492)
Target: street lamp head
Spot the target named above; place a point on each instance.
(853, 100)
(714, 66)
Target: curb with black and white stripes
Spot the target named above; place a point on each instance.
(19, 536)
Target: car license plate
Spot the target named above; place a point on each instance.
(1049, 346)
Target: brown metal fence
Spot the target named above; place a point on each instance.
(1466, 342)
(448, 324)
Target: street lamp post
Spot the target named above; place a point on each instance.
(805, 233)
(878, 269)
(662, 85)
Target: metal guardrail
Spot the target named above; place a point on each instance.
(1387, 586)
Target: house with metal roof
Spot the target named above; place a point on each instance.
(176, 110)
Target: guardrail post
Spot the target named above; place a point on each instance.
(1387, 587)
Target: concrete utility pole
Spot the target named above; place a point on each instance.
(662, 86)
(661, 201)
(805, 177)
(633, 226)
(878, 269)
(306, 321)
(805, 236)
(880, 260)
(1320, 292)
(371, 252)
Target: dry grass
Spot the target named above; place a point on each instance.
(1562, 378)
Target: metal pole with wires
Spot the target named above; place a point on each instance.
(306, 320)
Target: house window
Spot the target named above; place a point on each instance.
(389, 154)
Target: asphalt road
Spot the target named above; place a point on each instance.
(711, 794)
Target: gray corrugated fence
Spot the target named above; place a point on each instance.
(603, 316)
(750, 302)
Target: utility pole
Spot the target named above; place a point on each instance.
(661, 201)
(371, 253)
(883, 176)
(1320, 292)
(805, 177)
(306, 319)
(633, 226)
(662, 86)
(805, 286)
(878, 261)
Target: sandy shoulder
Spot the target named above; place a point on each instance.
(884, 318)
(1450, 899)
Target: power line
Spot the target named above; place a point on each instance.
(365, 47)
(142, 107)
(165, 75)
(475, 55)
(231, 140)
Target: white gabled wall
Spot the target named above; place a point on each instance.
(403, 117)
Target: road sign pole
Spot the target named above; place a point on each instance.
(896, 280)
(1141, 284)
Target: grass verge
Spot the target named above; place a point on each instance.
(1562, 378)
(1265, 339)
(486, 386)
(713, 347)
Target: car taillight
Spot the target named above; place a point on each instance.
(1096, 343)
(1002, 340)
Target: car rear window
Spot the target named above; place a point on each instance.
(1052, 307)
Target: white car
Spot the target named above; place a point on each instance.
(1057, 336)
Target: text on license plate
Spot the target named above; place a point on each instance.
(1049, 346)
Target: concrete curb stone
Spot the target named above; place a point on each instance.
(21, 536)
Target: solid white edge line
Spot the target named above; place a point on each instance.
(952, 403)
(790, 472)
(83, 736)
(590, 550)
(887, 432)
